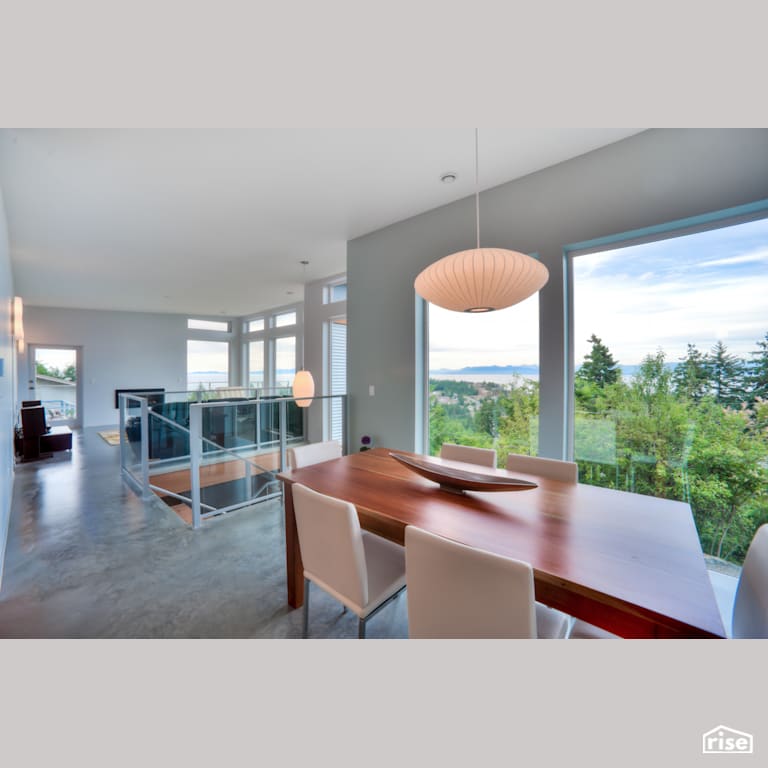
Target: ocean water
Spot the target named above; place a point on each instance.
(478, 378)
(215, 379)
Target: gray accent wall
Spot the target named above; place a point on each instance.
(655, 177)
(120, 350)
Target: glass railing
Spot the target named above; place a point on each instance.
(205, 454)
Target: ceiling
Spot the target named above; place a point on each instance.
(214, 222)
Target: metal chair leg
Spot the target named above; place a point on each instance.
(305, 628)
(361, 629)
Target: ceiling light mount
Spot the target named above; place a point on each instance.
(481, 279)
(449, 177)
(303, 387)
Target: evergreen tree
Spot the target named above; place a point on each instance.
(726, 374)
(757, 378)
(691, 377)
(599, 367)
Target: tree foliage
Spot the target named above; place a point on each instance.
(69, 373)
(725, 373)
(599, 367)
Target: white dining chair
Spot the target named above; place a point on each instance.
(743, 601)
(361, 570)
(312, 453)
(554, 469)
(457, 591)
(486, 457)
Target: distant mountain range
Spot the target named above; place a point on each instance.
(520, 370)
(490, 370)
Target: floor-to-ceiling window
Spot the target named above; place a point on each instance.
(671, 375)
(271, 349)
(484, 378)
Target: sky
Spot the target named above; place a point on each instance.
(55, 358)
(697, 288)
(505, 337)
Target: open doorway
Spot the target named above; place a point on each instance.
(54, 379)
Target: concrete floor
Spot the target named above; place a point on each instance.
(88, 558)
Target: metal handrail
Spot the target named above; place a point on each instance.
(197, 441)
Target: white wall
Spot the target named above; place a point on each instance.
(120, 350)
(656, 177)
(7, 389)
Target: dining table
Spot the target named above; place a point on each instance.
(628, 563)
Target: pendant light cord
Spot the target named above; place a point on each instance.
(477, 194)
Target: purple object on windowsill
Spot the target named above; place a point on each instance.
(365, 442)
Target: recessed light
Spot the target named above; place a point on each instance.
(448, 178)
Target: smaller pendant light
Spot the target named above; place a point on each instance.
(303, 388)
(481, 279)
(303, 383)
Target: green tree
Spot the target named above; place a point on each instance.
(757, 378)
(691, 377)
(725, 374)
(652, 426)
(729, 480)
(598, 367)
(518, 420)
(487, 416)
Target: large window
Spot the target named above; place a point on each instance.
(207, 364)
(256, 363)
(671, 376)
(285, 361)
(270, 351)
(484, 379)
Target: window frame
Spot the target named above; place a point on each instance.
(269, 335)
(656, 233)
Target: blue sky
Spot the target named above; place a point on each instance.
(697, 288)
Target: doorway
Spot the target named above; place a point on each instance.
(54, 379)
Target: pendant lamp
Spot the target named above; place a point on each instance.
(303, 383)
(303, 388)
(481, 279)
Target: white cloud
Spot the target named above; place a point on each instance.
(744, 258)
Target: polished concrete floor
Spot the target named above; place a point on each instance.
(87, 558)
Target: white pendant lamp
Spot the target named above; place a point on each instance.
(303, 383)
(303, 388)
(481, 279)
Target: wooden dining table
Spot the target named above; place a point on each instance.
(628, 563)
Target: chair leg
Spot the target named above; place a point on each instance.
(305, 627)
(361, 629)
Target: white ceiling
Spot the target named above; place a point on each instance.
(217, 221)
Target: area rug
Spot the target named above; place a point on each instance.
(112, 437)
